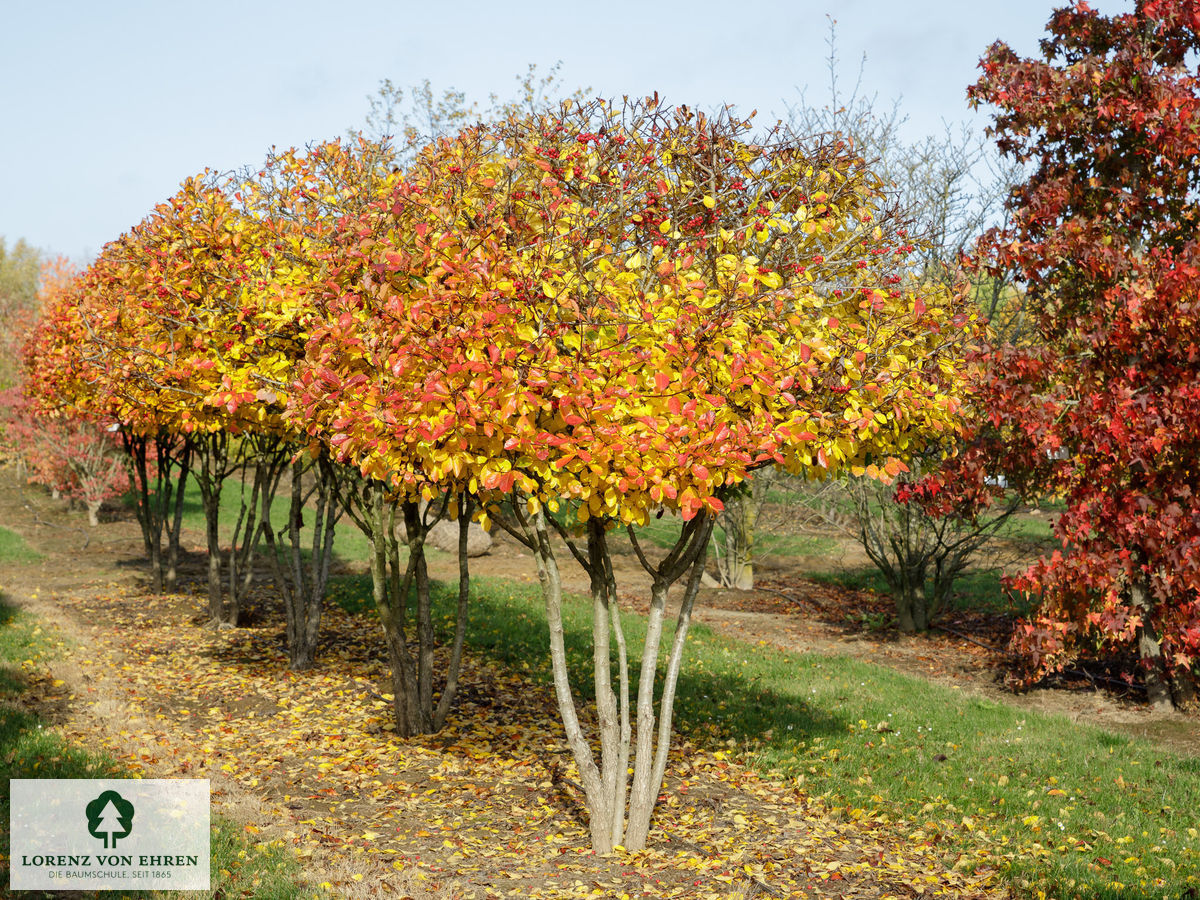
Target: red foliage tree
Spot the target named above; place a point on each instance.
(1103, 233)
(76, 456)
(77, 459)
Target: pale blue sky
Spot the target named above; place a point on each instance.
(107, 106)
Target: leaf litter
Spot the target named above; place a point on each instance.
(490, 806)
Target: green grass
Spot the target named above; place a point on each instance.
(1036, 530)
(664, 532)
(13, 548)
(1064, 808)
(30, 749)
(795, 545)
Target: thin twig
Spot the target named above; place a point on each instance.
(757, 885)
(967, 637)
(796, 600)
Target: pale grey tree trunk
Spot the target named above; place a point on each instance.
(606, 786)
(649, 771)
(599, 804)
(613, 774)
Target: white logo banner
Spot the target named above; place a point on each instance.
(109, 834)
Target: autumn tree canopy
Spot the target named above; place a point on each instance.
(616, 310)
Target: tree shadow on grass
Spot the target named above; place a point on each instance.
(718, 697)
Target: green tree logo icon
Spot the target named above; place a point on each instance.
(110, 816)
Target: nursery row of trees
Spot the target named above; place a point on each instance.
(562, 323)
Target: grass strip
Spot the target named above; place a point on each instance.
(1065, 809)
(13, 548)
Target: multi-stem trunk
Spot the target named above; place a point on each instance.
(248, 527)
(391, 600)
(650, 763)
(151, 525)
(231, 574)
(606, 786)
(151, 461)
(601, 812)
(411, 657)
(303, 582)
(214, 456)
(612, 710)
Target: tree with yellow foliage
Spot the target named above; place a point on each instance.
(620, 309)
